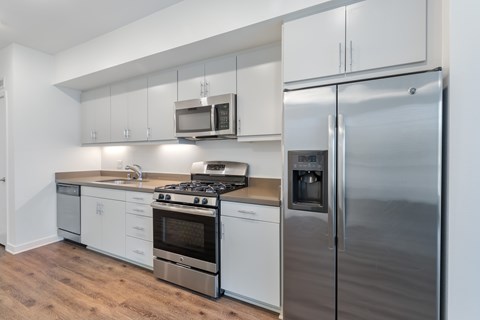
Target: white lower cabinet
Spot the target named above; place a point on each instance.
(119, 223)
(250, 253)
(139, 228)
(139, 250)
(103, 220)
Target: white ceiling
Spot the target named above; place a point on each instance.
(55, 25)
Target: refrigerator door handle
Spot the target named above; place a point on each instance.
(331, 180)
(341, 184)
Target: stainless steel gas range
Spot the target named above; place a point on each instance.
(186, 235)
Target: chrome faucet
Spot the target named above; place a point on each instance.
(137, 169)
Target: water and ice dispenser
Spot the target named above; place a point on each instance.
(307, 176)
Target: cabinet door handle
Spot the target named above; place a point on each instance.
(206, 88)
(351, 55)
(91, 135)
(127, 133)
(124, 133)
(148, 133)
(139, 228)
(247, 212)
(339, 57)
(239, 126)
(223, 231)
(95, 135)
(139, 252)
(201, 89)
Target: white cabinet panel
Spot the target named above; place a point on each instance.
(91, 221)
(251, 252)
(129, 110)
(104, 193)
(140, 251)
(103, 220)
(314, 46)
(162, 94)
(367, 35)
(251, 211)
(214, 77)
(139, 209)
(191, 81)
(251, 259)
(221, 76)
(113, 227)
(382, 33)
(95, 107)
(139, 227)
(259, 88)
(139, 197)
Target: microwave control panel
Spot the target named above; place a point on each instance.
(223, 116)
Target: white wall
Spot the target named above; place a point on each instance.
(264, 158)
(184, 23)
(463, 278)
(44, 137)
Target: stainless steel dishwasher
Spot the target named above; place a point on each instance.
(68, 211)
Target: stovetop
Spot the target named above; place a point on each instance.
(192, 187)
(209, 179)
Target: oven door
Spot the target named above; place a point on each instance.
(186, 235)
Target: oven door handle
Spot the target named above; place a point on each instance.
(184, 209)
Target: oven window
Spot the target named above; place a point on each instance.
(185, 234)
(194, 119)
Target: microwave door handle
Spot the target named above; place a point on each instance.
(213, 117)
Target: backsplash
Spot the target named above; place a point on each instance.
(264, 158)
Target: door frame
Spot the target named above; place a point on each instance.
(3, 94)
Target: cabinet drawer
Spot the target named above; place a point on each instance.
(140, 209)
(140, 251)
(139, 227)
(139, 197)
(251, 211)
(103, 193)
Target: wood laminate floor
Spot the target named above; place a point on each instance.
(66, 281)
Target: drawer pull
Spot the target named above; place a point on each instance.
(139, 252)
(138, 210)
(139, 228)
(138, 198)
(247, 212)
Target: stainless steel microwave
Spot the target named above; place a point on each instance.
(206, 118)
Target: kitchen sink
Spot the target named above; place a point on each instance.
(122, 181)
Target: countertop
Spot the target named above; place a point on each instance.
(260, 190)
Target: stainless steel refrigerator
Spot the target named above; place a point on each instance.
(362, 200)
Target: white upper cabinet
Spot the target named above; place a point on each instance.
(162, 94)
(214, 77)
(314, 46)
(259, 99)
(383, 33)
(95, 108)
(367, 35)
(129, 110)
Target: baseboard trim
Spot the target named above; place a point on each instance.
(32, 244)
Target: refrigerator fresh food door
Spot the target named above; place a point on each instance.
(389, 173)
(309, 255)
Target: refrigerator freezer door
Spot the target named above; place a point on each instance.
(389, 255)
(309, 256)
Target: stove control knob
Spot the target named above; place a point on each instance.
(196, 200)
(167, 197)
(204, 201)
(161, 196)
